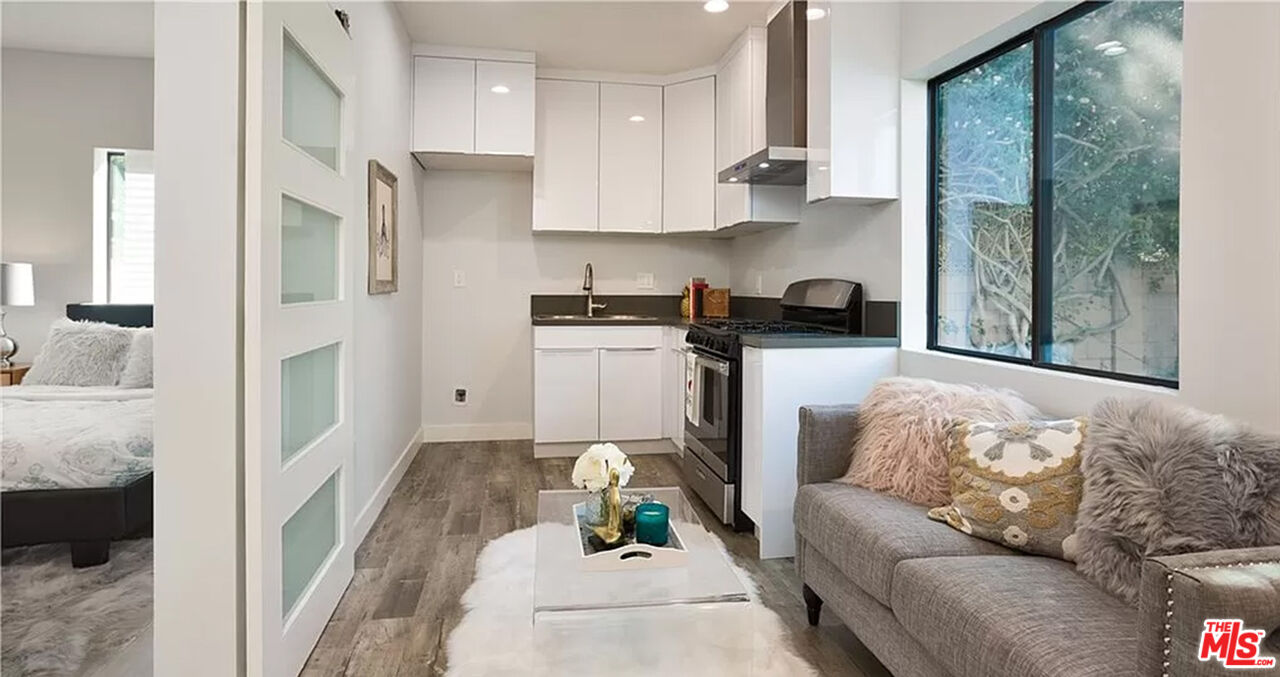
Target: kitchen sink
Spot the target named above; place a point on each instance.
(597, 318)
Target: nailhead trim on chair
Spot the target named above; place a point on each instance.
(1168, 614)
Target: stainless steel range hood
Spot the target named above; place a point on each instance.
(782, 161)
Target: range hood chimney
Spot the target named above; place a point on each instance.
(782, 161)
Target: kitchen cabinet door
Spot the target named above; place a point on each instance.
(689, 156)
(565, 399)
(630, 394)
(444, 105)
(673, 393)
(504, 108)
(567, 153)
(630, 158)
(733, 134)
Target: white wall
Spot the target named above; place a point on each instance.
(855, 242)
(198, 433)
(1230, 251)
(57, 109)
(478, 336)
(388, 327)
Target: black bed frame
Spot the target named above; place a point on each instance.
(88, 519)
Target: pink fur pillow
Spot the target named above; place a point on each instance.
(904, 426)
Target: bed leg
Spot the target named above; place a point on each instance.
(90, 553)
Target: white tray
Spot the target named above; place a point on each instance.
(633, 556)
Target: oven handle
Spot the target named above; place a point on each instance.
(719, 366)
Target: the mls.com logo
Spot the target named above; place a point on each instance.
(1226, 640)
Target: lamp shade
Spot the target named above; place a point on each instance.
(17, 285)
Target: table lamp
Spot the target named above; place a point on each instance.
(17, 288)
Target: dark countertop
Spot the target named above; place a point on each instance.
(769, 341)
(606, 321)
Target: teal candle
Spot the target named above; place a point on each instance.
(652, 523)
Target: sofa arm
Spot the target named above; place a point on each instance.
(1179, 592)
(825, 443)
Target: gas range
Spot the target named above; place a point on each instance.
(808, 307)
(723, 336)
(713, 384)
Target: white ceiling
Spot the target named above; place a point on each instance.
(624, 37)
(100, 28)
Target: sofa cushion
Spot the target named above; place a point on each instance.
(1016, 616)
(867, 533)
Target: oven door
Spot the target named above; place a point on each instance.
(706, 425)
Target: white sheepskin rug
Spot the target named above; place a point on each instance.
(497, 635)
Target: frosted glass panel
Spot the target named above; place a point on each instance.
(312, 107)
(306, 541)
(308, 253)
(308, 398)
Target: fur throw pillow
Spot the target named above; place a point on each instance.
(138, 367)
(1162, 479)
(904, 427)
(81, 354)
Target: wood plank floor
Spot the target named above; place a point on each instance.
(419, 558)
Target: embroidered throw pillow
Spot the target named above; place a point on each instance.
(1018, 484)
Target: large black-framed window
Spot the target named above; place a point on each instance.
(1053, 196)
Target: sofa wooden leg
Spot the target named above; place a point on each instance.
(813, 604)
(90, 553)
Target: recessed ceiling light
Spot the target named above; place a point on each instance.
(822, 168)
(636, 118)
(763, 165)
(500, 89)
(716, 6)
(733, 179)
(814, 13)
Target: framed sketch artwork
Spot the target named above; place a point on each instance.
(384, 247)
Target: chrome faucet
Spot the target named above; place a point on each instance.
(588, 285)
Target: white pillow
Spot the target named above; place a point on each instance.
(137, 367)
(81, 354)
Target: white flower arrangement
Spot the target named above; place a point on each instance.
(591, 470)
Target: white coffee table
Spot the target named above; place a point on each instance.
(694, 619)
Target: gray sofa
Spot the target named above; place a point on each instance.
(930, 601)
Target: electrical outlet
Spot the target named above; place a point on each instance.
(460, 397)
(644, 280)
(459, 278)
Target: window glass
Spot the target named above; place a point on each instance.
(1117, 89)
(984, 198)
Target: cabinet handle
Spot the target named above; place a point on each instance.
(629, 350)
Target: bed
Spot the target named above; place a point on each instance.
(78, 460)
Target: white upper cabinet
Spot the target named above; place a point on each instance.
(853, 60)
(740, 121)
(566, 172)
(630, 158)
(689, 156)
(444, 105)
(504, 108)
(472, 113)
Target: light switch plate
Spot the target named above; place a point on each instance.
(644, 280)
(459, 278)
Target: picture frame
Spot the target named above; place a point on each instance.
(384, 230)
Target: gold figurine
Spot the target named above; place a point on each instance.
(611, 531)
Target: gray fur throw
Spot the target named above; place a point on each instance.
(1162, 479)
(81, 354)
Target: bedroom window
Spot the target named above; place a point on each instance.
(1054, 177)
(124, 229)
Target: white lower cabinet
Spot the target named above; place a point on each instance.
(630, 394)
(673, 387)
(597, 384)
(566, 386)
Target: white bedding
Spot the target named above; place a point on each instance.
(62, 437)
